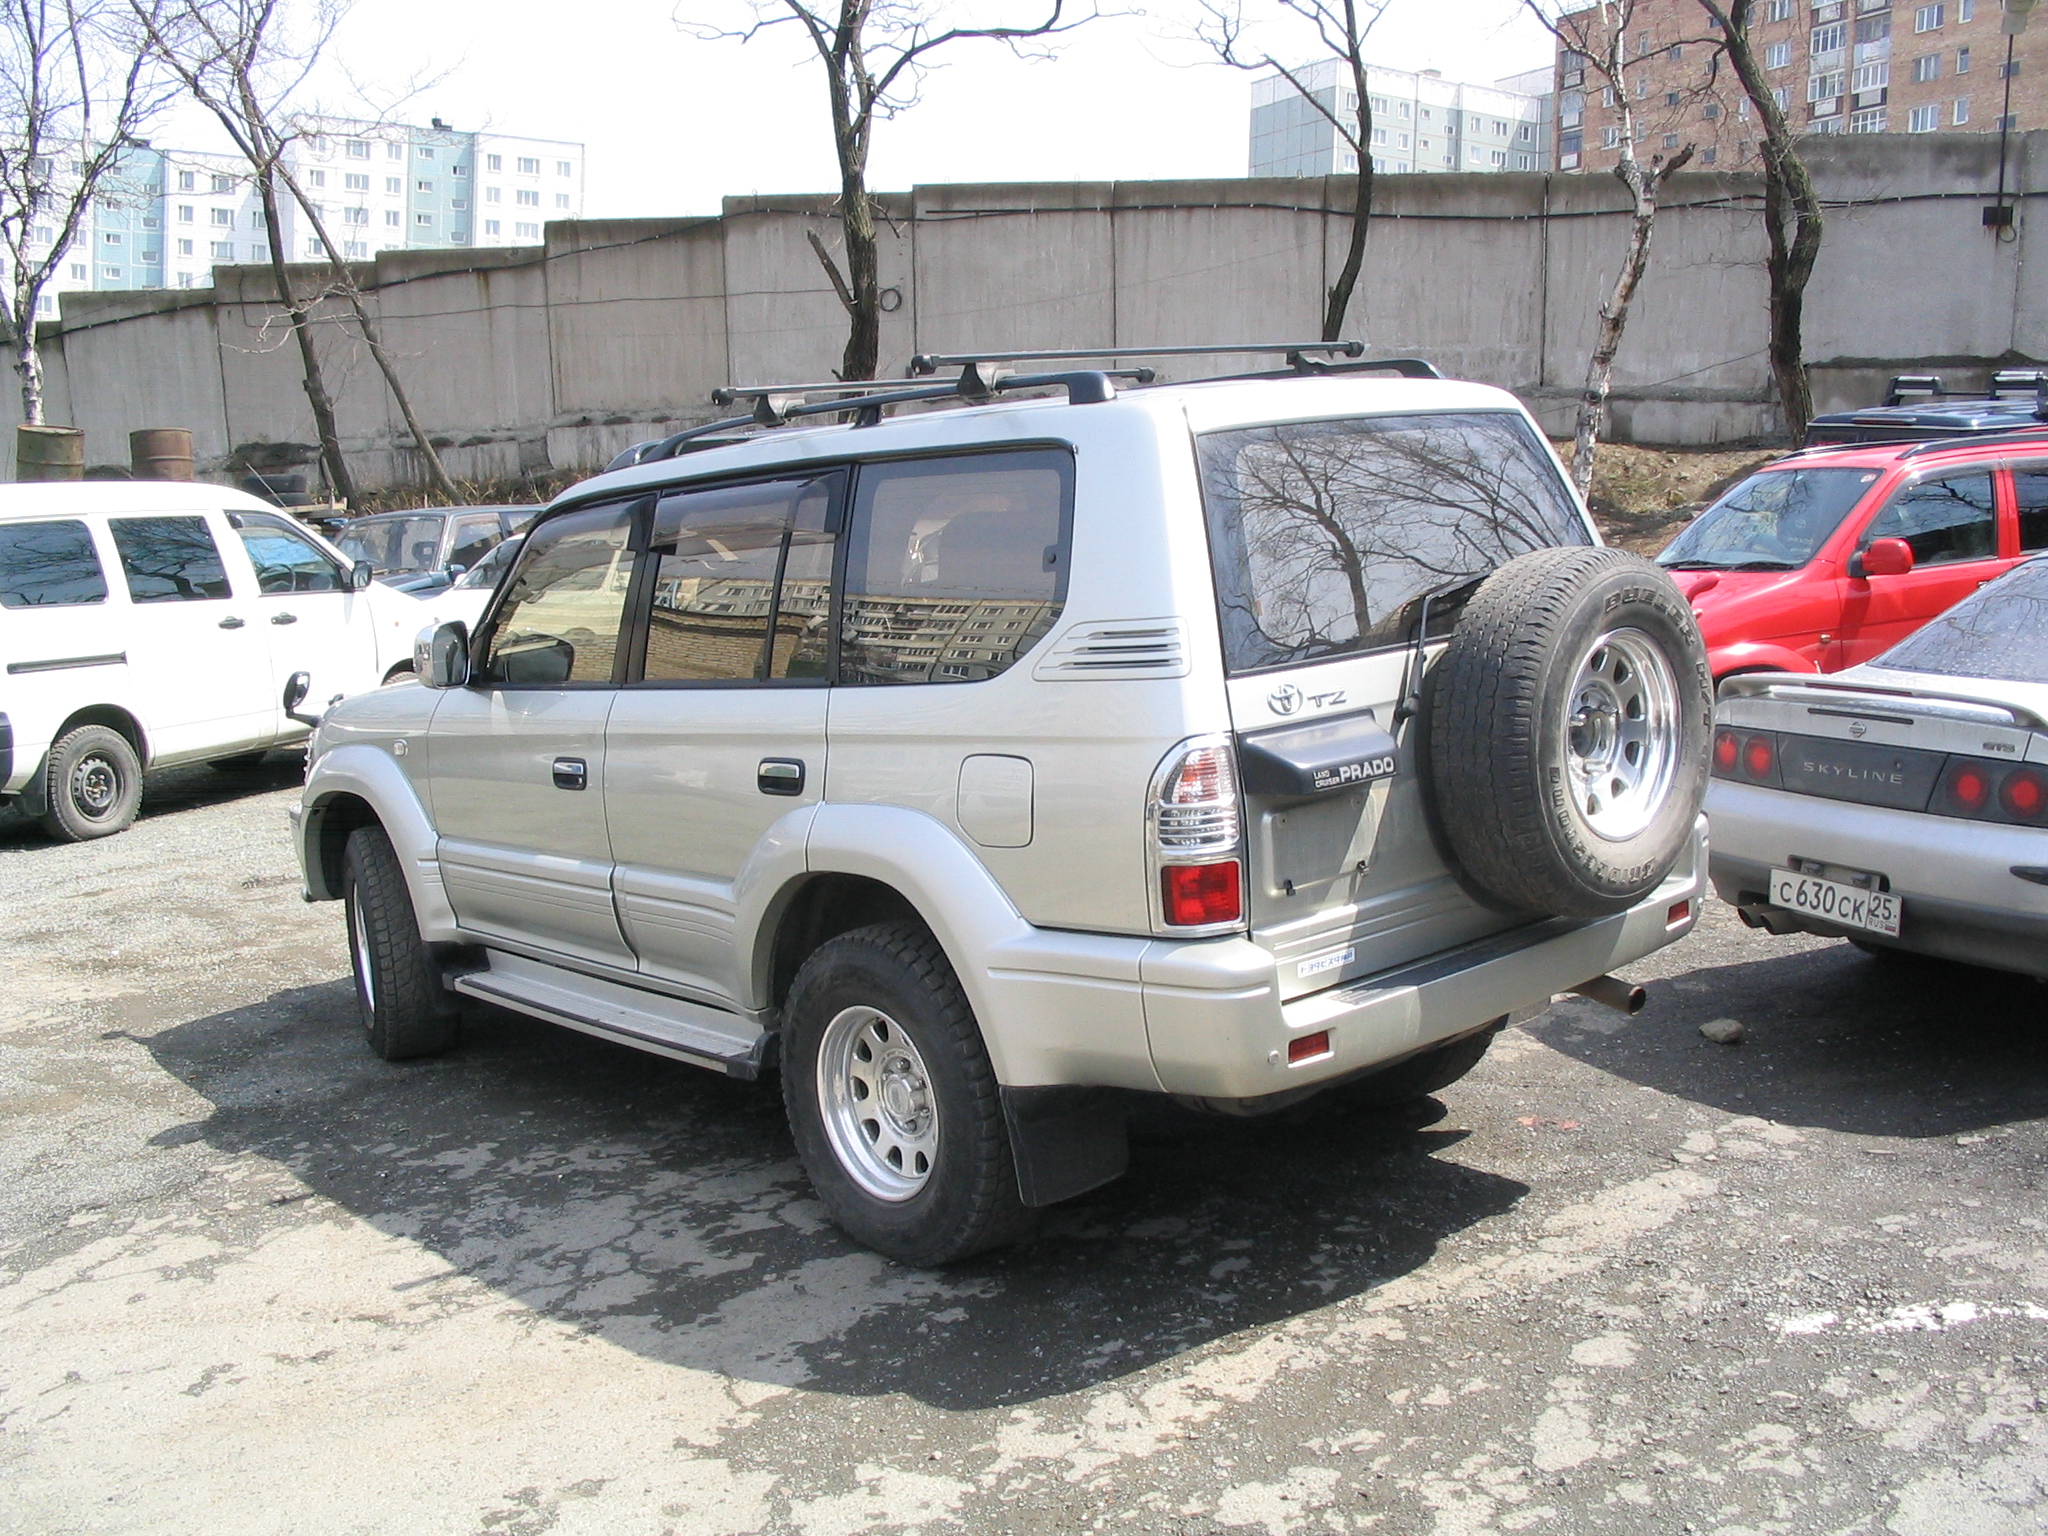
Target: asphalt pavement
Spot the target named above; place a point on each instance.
(1620, 1279)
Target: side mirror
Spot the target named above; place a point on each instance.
(452, 570)
(1887, 557)
(440, 655)
(360, 575)
(295, 690)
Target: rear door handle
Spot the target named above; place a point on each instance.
(284, 618)
(780, 776)
(231, 622)
(571, 773)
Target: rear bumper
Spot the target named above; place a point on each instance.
(1218, 1030)
(1959, 899)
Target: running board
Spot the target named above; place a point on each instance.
(647, 1021)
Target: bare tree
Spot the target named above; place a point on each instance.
(74, 97)
(1792, 214)
(243, 61)
(1599, 34)
(1341, 28)
(874, 54)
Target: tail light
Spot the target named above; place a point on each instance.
(1983, 790)
(1751, 756)
(1196, 839)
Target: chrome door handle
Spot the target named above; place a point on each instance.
(284, 618)
(231, 622)
(571, 773)
(780, 776)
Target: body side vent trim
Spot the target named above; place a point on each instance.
(1116, 650)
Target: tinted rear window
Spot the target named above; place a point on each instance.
(49, 565)
(1325, 534)
(2000, 633)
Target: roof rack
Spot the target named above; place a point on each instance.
(981, 378)
(1914, 386)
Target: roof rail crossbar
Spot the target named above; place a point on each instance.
(1407, 367)
(1914, 386)
(2028, 436)
(931, 362)
(2019, 383)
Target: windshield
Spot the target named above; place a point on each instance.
(1324, 534)
(394, 544)
(1774, 521)
(2000, 633)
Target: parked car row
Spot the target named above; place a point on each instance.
(147, 625)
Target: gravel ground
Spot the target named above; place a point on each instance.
(1619, 1280)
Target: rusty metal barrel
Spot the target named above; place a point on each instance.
(49, 453)
(161, 453)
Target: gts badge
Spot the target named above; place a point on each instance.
(1290, 700)
(1358, 771)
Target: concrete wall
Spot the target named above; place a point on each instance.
(614, 331)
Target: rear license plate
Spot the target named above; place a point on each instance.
(1849, 905)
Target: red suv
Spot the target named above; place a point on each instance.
(1825, 558)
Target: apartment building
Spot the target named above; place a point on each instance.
(1421, 122)
(1847, 66)
(169, 216)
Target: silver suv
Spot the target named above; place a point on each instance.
(980, 768)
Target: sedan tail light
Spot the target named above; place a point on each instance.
(1982, 790)
(1747, 756)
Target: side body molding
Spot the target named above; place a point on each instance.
(370, 773)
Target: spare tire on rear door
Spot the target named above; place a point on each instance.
(1568, 729)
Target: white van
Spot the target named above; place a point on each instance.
(144, 625)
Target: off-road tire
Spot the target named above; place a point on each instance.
(969, 1201)
(92, 785)
(241, 762)
(1420, 1075)
(406, 1011)
(1498, 737)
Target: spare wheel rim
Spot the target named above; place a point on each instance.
(1621, 728)
(879, 1105)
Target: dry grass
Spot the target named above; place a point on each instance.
(1643, 496)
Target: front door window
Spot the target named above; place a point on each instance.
(560, 620)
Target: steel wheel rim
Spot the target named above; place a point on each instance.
(95, 786)
(1621, 734)
(359, 946)
(881, 1114)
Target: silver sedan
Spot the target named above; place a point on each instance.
(1902, 804)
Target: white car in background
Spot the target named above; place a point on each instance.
(1902, 804)
(465, 599)
(145, 625)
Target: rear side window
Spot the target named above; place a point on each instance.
(1325, 534)
(955, 566)
(2030, 483)
(1999, 632)
(393, 544)
(169, 559)
(742, 583)
(474, 538)
(49, 565)
(1944, 520)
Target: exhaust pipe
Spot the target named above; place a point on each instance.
(1612, 992)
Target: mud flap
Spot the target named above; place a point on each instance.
(1065, 1141)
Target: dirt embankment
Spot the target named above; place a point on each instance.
(1643, 496)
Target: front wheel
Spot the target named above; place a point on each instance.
(406, 1011)
(893, 1102)
(92, 785)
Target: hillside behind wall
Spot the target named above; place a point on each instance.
(557, 356)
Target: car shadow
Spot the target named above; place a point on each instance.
(173, 790)
(662, 1206)
(1834, 1038)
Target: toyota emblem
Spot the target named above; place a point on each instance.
(1284, 700)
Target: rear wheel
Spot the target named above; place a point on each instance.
(92, 785)
(893, 1102)
(406, 1011)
